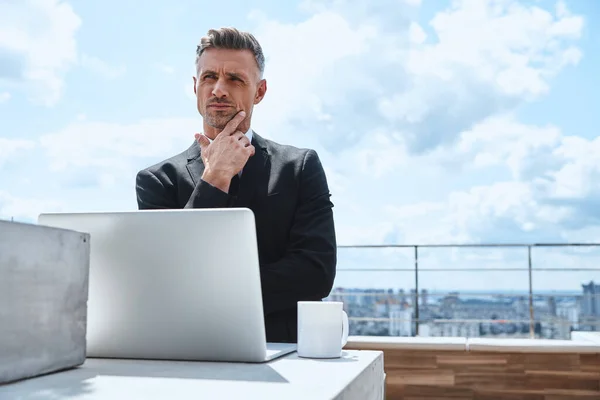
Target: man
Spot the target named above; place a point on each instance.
(230, 165)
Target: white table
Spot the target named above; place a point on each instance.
(357, 375)
(588, 337)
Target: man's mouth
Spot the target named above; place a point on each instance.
(219, 106)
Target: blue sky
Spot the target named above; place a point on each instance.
(437, 121)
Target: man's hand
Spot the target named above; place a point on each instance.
(226, 155)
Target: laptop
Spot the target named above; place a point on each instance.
(174, 285)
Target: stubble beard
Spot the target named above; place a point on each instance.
(218, 119)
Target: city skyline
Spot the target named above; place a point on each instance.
(387, 312)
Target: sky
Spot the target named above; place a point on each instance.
(462, 121)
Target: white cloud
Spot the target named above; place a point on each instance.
(488, 58)
(10, 147)
(501, 140)
(416, 34)
(378, 154)
(101, 68)
(511, 47)
(37, 46)
(4, 97)
(549, 190)
(26, 209)
(166, 69)
(111, 148)
(560, 169)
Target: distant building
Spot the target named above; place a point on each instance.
(424, 298)
(590, 306)
(401, 322)
(401, 296)
(569, 311)
(414, 297)
(552, 306)
(589, 319)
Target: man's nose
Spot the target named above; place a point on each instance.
(219, 90)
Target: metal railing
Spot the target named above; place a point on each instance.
(529, 268)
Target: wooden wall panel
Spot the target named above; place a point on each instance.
(478, 375)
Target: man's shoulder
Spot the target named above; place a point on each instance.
(173, 163)
(301, 165)
(287, 153)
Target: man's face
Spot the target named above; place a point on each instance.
(228, 81)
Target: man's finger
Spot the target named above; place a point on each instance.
(232, 125)
(238, 135)
(202, 140)
(245, 141)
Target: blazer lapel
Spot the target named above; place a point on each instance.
(255, 176)
(195, 166)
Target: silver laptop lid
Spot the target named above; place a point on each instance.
(172, 284)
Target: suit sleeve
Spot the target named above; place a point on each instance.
(307, 270)
(154, 194)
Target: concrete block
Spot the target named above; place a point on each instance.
(44, 276)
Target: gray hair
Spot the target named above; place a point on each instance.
(231, 38)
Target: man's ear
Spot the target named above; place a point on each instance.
(261, 91)
(194, 78)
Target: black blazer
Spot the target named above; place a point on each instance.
(287, 190)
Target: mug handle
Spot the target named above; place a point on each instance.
(345, 328)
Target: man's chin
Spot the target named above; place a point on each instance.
(218, 123)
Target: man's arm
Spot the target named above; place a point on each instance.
(307, 270)
(153, 194)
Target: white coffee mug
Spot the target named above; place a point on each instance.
(322, 329)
